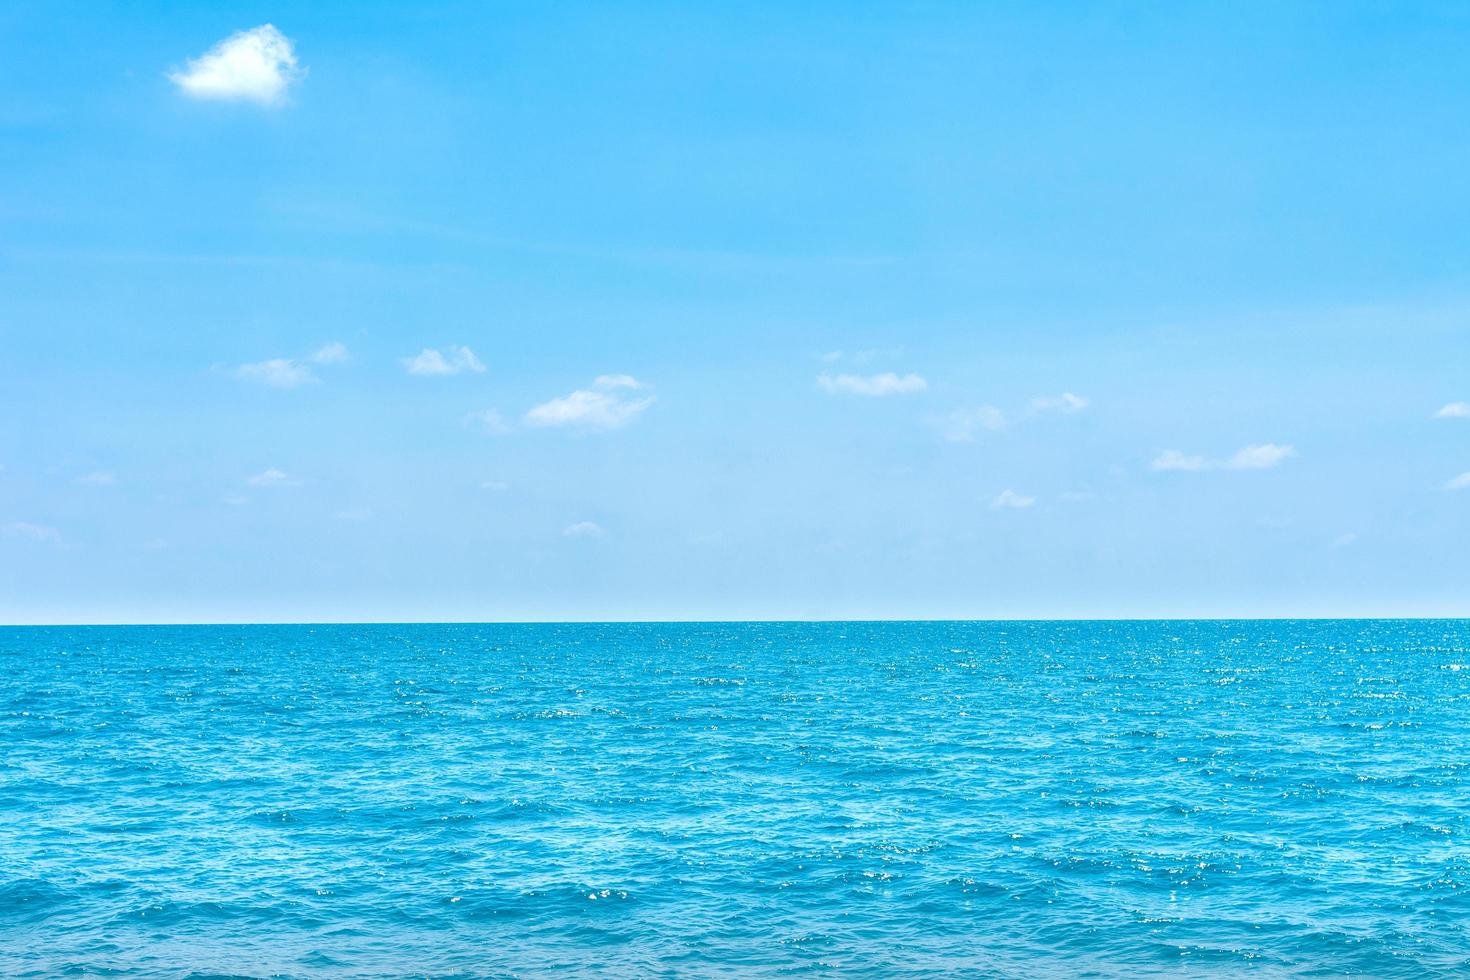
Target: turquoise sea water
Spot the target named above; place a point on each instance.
(1284, 798)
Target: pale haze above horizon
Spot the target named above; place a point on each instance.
(733, 311)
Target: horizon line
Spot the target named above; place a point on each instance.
(735, 621)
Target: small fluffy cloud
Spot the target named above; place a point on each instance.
(452, 360)
(1066, 402)
(489, 421)
(1454, 410)
(279, 372)
(272, 478)
(257, 65)
(1461, 482)
(608, 404)
(964, 424)
(871, 385)
(582, 529)
(26, 531)
(1256, 457)
(333, 353)
(1011, 500)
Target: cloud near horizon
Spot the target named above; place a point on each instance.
(489, 421)
(871, 385)
(333, 353)
(287, 372)
(1009, 499)
(430, 361)
(257, 65)
(964, 424)
(278, 372)
(26, 531)
(1066, 403)
(1260, 456)
(605, 406)
(272, 478)
(583, 529)
(1454, 410)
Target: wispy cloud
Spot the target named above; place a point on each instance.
(288, 372)
(279, 372)
(489, 421)
(1454, 410)
(494, 486)
(964, 424)
(333, 353)
(257, 65)
(871, 385)
(1066, 402)
(865, 356)
(608, 404)
(1011, 500)
(452, 360)
(101, 478)
(1261, 456)
(272, 478)
(26, 531)
(583, 529)
(1461, 482)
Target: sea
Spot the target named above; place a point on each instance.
(886, 799)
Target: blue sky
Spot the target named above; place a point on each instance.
(582, 311)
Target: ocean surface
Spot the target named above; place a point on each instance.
(884, 799)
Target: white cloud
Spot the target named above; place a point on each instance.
(99, 479)
(606, 405)
(1066, 403)
(26, 531)
(1454, 410)
(1173, 459)
(287, 372)
(272, 478)
(333, 353)
(1261, 456)
(1344, 540)
(582, 529)
(489, 421)
(454, 360)
(280, 372)
(963, 424)
(1010, 499)
(257, 65)
(871, 385)
(1461, 482)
